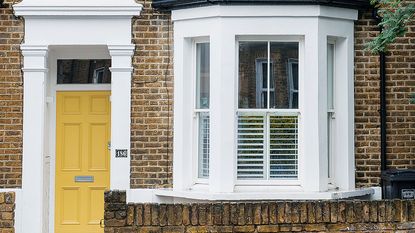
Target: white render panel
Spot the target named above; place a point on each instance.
(82, 31)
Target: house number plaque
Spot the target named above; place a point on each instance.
(121, 153)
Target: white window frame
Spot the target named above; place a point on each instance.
(292, 61)
(331, 116)
(196, 113)
(260, 78)
(272, 182)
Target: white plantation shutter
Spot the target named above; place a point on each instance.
(267, 146)
(251, 146)
(283, 144)
(204, 143)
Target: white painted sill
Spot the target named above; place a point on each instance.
(257, 196)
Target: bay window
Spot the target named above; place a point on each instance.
(254, 101)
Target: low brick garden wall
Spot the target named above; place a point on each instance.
(269, 216)
(7, 207)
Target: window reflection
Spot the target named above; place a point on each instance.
(84, 71)
(280, 59)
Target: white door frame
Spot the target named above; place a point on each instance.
(52, 86)
(70, 29)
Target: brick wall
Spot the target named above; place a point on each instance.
(400, 117)
(270, 216)
(152, 100)
(7, 208)
(11, 98)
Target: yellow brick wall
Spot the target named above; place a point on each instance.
(152, 101)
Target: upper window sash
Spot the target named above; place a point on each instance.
(331, 56)
(280, 87)
(202, 67)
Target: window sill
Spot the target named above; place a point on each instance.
(281, 195)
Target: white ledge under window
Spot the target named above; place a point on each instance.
(249, 196)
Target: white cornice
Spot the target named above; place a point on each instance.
(237, 11)
(76, 8)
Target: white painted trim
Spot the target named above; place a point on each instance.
(378, 193)
(257, 195)
(292, 11)
(83, 87)
(121, 56)
(76, 8)
(35, 63)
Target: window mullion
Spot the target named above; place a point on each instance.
(267, 117)
(268, 74)
(266, 138)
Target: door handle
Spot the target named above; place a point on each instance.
(102, 223)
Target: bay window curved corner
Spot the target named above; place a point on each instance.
(263, 103)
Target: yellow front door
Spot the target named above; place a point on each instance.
(82, 160)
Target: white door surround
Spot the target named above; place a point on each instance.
(73, 30)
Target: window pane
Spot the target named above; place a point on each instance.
(202, 75)
(330, 76)
(204, 143)
(253, 58)
(284, 77)
(84, 71)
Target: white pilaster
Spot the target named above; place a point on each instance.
(345, 164)
(311, 105)
(223, 109)
(35, 73)
(184, 158)
(121, 71)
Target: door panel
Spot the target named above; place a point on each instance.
(72, 144)
(82, 160)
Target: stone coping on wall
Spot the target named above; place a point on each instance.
(7, 208)
(259, 216)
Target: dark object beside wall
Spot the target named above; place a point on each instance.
(399, 184)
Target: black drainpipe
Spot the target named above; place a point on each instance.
(383, 147)
(382, 111)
